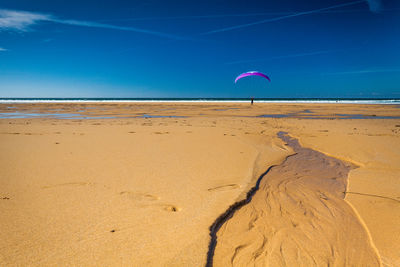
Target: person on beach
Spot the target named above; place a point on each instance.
(252, 73)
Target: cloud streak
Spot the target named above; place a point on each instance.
(282, 17)
(3, 49)
(375, 5)
(218, 16)
(114, 27)
(19, 20)
(14, 20)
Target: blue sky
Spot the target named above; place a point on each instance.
(177, 48)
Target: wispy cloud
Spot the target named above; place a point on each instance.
(19, 20)
(3, 49)
(24, 20)
(219, 16)
(362, 71)
(114, 27)
(282, 57)
(282, 17)
(375, 5)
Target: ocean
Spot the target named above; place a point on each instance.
(228, 100)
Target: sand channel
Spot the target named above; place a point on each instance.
(298, 217)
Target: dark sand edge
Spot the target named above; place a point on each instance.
(227, 215)
(214, 228)
(336, 186)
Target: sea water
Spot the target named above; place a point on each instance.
(228, 100)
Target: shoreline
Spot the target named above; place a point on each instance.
(366, 101)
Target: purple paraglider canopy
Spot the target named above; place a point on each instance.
(252, 73)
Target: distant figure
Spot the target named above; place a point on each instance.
(252, 100)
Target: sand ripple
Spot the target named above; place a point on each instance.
(297, 218)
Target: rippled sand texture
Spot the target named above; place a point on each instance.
(297, 218)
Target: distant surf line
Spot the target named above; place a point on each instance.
(205, 100)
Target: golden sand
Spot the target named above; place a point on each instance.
(297, 217)
(135, 191)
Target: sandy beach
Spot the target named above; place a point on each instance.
(140, 184)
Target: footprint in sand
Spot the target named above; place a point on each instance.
(149, 200)
(224, 187)
(139, 196)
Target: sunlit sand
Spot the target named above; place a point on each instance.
(135, 184)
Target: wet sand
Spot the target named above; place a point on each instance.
(140, 184)
(298, 217)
